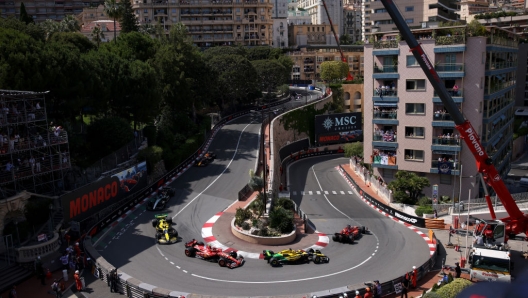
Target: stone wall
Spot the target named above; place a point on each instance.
(12, 208)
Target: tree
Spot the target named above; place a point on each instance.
(70, 24)
(103, 140)
(147, 29)
(50, 27)
(221, 51)
(407, 187)
(345, 39)
(31, 29)
(24, 16)
(256, 183)
(97, 35)
(128, 18)
(76, 39)
(475, 28)
(354, 149)
(114, 10)
(270, 74)
(334, 71)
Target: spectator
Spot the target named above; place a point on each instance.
(357, 295)
(64, 262)
(368, 293)
(39, 269)
(458, 271)
(435, 214)
(414, 277)
(377, 286)
(12, 292)
(56, 288)
(114, 279)
(405, 285)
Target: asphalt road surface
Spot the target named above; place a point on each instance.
(202, 192)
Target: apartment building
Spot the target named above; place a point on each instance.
(405, 119)
(42, 10)
(318, 14)
(213, 22)
(415, 13)
(279, 15)
(353, 20)
(296, 15)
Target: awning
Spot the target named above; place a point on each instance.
(444, 152)
(385, 104)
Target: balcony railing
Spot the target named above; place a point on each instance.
(452, 92)
(449, 67)
(308, 70)
(449, 40)
(497, 87)
(385, 92)
(442, 117)
(385, 44)
(386, 69)
(386, 114)
(451, 141)
(500, 65)
(384, 137)
(501, 41)
(389, 160)
(452, 164)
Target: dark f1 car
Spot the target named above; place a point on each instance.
(165, 233)
(160, 200)
(195, 249)
(349, 234)
(202, 162)
(210, 155)
(290, 256)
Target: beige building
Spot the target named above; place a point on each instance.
(300, 35)
(42, 10)
(212, 22)
(415, 12)
(92, 14)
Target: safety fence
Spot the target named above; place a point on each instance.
(130, 286)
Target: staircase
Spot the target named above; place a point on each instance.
(12, 274)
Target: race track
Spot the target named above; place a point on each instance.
(202, 192)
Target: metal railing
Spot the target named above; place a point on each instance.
(443, 67)
(386, 69)
(385, 114)
(386, 44)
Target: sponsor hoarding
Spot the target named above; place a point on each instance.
(92, 198)
(338, 128)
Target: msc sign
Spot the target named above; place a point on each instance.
(337, 123)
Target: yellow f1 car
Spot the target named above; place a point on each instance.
(165, 233)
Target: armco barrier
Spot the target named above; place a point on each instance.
(129, 285)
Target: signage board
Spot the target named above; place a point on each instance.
(338, 128)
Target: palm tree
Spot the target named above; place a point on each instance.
(97, 35)
(113, 10)
(50, 26)
(70, 24)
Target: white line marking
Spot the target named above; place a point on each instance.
(310, 192)
(318, 192)
(342, 192)
(178, 267)
(334, 192)
(326, 192)
(282, 281)
(350, 192)
(294, 193)
(184, 271)
(172, 263)
(233, 158)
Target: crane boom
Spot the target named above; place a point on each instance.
(517, 222)
(349, 76)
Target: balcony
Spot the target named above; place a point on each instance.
(386, 69)
(386, 44)
(438, 116)
(457, 95)
(500, 65)
(450, 70)
(449, 167)
(308, 61)
(450, 40)
(386, 137)
(446, 141)
(308, 69)
(383, 161)
(385, 114)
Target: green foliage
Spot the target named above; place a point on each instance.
(36, 210)
(104, 141)
(431, 294)
(338, 100)
(334, 71)
(36, 32)
(75, 39)
(245, 226)
(224, 51)
(476, 29)
(407, 187)
(435, 287)
(282, 220)
(262, 53)
(241, 215)
(345, 39)
(421, 210)
(285, 203)
(257, 206)
(424, 201)
(302, 120)
(256, 183)
(24, 16)
(150, 133)
(494, 15)
(452, 289)
(255, 223)
(152, 155)
(354, 149)
(450, 278)
(114, 10)
(128, 20)
(270, 74)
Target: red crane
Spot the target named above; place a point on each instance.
(343, 58)
(517, 221)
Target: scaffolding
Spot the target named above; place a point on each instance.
(34, 155)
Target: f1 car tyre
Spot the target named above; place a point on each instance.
(327, 260)
(169, 220)
(200, 243)
(335, 238)
(351, 239)
(154, 223)
(190, 252)
(363, 230)
(222, 262)
(317, 260)
(274, 262)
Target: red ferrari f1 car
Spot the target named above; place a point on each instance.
(199, 250)
(349, 234)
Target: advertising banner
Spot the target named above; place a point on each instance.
(92, 198)
(338, 128)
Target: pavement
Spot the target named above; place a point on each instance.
(217, 231)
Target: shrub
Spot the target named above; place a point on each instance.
(424, 209)
(241, 215)
(285, 203)
(254, 223)
(245, 226)
(424, 201)
(152, 155)
(452, 289)
(431, 295)
(282, 220)
(257, 206)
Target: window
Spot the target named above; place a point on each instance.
(417, 155)
(409, 21)
(409, 8)
(380, 10)
(174, 11)
(415, 85)
(414, 132)
(411, 61)
(446, 179)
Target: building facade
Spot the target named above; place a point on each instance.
(415, 12)
(318, 14)
(213, 22)
(352, 20)
(405, 120)
(42, 10)
(279, 15)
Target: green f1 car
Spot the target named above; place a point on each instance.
(289, 256)
(165, 233)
